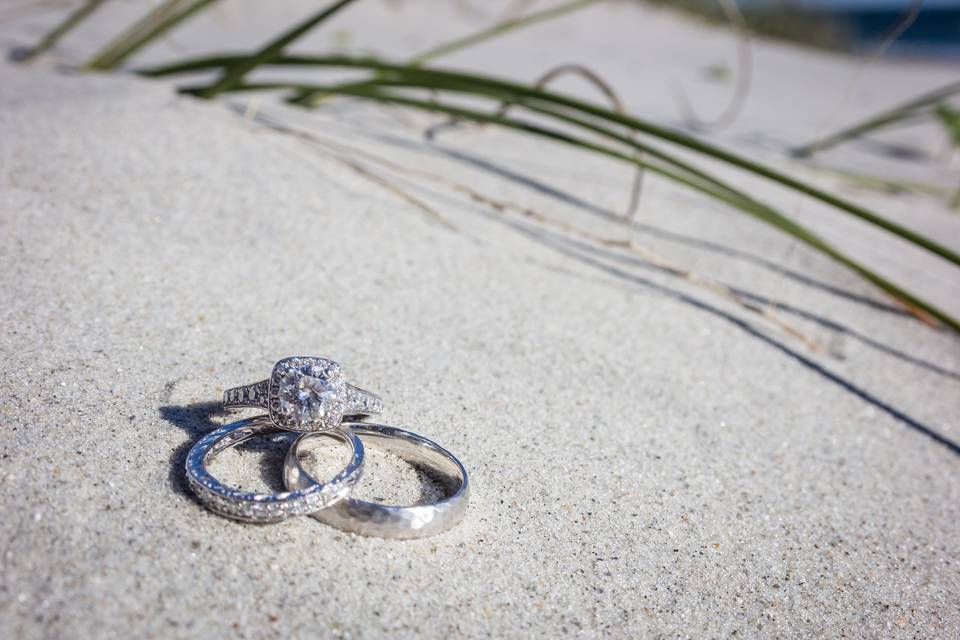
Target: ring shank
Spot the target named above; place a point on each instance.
(390, 521)
(419, 452)
(265, 507)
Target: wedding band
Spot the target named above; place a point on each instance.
(266, 507)
(305, 394)
(388, 521)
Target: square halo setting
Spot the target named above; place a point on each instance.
(307, 394)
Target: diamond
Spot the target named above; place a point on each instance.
(311, 393)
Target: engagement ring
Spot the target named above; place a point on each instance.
(305, 394)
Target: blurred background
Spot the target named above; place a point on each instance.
(655, 292)
(929, 27)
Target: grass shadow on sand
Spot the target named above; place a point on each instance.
(706, 245)
(562, 245)
(716, 248)
(779, 305)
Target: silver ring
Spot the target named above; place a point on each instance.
(303, 394)
(265, 507)
(388, 521)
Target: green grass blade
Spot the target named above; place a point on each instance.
(499, 29)
(195, 64)
(538, 108)
(479, 82)
(711, 187)
(358, 89)
(102, 60)
(152, 26)
(63, 28)
(495, 31)
(950, 119)
(701, 147)
(880, 120)
(235, 73)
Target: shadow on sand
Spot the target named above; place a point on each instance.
(563, 246)
(196, 420)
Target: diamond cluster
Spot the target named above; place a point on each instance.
(307, 394)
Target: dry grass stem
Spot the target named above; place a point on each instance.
(398, 190)
(907, 18)
(744, 75)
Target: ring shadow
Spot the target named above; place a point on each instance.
(196, 421)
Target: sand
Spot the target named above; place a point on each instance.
(647, 459)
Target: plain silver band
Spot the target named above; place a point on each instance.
(388, 521)
(265, 507)
(359, 402)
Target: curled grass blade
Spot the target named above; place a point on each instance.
(615, 102)
(611, 96)
(730, 113)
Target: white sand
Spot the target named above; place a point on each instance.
(647, 459)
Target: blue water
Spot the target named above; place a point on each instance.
(936, 31)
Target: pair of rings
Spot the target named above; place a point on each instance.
(310, 395)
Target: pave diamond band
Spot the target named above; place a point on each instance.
(251, 395)
(305, 393)
(359, 402)
(388, 521)
(266, 507)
